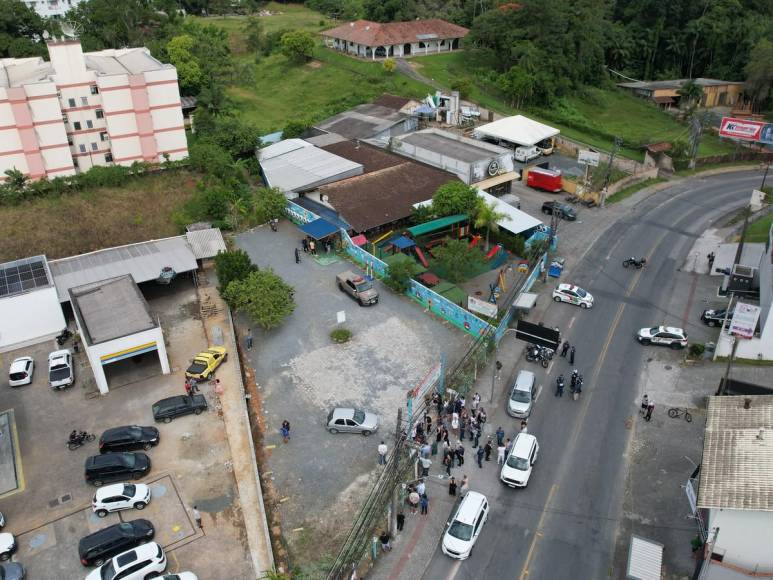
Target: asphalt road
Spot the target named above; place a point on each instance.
(564, 524)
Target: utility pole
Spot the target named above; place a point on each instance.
(696, 130)
(765, 176)
(494, 373)
(608, 175)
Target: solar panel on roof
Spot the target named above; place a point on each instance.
(23, 275)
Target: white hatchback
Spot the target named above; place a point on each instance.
(519, 404)
(21, 371)
(120, 496)
(517, 468)
(573, 295)
(60, 371)
(465, 526)
(146, 561)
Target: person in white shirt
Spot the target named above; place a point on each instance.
(382, 452)
(501, 455)
(421, 488)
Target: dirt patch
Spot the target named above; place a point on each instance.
(314, 64)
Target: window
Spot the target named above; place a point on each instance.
(89, 124)
(84, 101)
(100, 114)
(94, 90)
(71, 102)
(103, 136)
(109, 157)
(82, 147)
(77, 125)
(93, 146)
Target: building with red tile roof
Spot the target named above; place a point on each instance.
(380, 40)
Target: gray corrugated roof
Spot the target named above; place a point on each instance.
(143, 261)
(111, 309)
(362, 121)
(206, 243)
(737, 466)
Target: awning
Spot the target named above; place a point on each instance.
(519, 130)
(359, 240)
(437, 224)
(525, 300)
(663, 100)
(319, 229)
(645, 559)
(402, 242)
(496, 180)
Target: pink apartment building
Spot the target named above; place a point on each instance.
(84, 109)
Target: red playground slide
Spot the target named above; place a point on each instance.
(493, 252)
(474, 242)
(421, 257)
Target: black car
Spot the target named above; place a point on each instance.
(167, 409)
(97, 548)
(562, 210)
(715, 317)
(116, 466)
(128, 438)
(11, 571)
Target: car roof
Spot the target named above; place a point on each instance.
(343, 413)
(522, 444)
(528, 375)
(169, 401)
(107, 459)
(567, 287)
(673, 329)
(110, 490)
(58, 354)
(469, 507)
(113, 431)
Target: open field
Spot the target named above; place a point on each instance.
(759, 230)
(72, 224)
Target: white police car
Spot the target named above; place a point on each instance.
(573, 295)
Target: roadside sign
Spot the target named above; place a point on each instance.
(744, 320)
(741, 129)
(341, 316)
(588, 157)
(481, 307)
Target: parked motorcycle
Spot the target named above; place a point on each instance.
(637, 263)
(64, 337)
(535, 353)
(79, 438)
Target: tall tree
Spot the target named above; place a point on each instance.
(487, 217)
(759, 72)
(21, 30)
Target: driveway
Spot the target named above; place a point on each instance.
(321, 478)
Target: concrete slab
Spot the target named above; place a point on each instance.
(11, 478)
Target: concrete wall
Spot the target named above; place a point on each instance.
(744, 538)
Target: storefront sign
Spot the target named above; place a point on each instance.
(744, 320)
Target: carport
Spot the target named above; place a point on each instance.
(115, 324)
(319, 229)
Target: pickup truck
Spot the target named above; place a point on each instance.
(358, 287)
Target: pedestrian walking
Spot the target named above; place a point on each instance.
(249, 339)
(465, 486)
(305, 245)
(400, 520)
(187, 388)
(455, 423)
(524, 425)
(463, 422)
(501, 454)
(650, 409)
(564, 348)
(197, 517)
(426, 450)
(382, 451)
(297, 256)
(449, 463)
(460, 453)
(482, 417)
(571, 356)
(477, 436)
(424, 502)
(285, 430)
(426, 463)
(421, 488)
(384, 537)
(439, 404)
(645, 402)
(452, 487)
(500, 436)
(313, 247)
(480, 457)
(710, 258)
(413, 500)
(475, 402)
(487, 449)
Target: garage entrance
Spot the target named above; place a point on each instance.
(132, 369)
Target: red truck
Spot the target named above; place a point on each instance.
(546, 179)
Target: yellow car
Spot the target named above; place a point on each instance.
(205, 363)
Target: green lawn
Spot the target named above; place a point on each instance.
(627, 192)
(759, 230)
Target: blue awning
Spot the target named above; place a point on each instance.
(319, 229)
(402, 242)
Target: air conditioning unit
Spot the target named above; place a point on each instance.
(742, 279)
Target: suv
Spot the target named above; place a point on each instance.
(343, 420)
(60, 371)
(21, 371)
(517, 468)
(138, 563)
(522, 396)
(120, 496)
(128, 438)
(167, 409)
(562, 210)
(100, 546)
(716, 317)
(102, 468)
(663, 335)
(465, 525)
(358, 287)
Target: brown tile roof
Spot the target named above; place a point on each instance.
(370, 33)
(386, 192)
(392, 101)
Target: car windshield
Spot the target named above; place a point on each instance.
(363, 286)
(519, 463)
(107, 572)
(359, 417)
(460, 531)
(197, 367)
(520, 396)
(129, 489)
(580, 292)
(129, 460)
(59, 372)
(654, 329)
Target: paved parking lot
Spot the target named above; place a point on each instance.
(303, 375)
(191, 465)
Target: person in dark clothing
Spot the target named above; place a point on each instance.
(460, 454)
(564, 348)
(297, 256)
(384, 537)
(500, 435)
(305, 245)
(480, 457)
(400, 521)
(452, 487)
(487, 449)
(571, 356)
(448, 462)
(476, 436)
(711, 261)
(424, 503)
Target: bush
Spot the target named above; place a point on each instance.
(297, 45)
(263, 296)
(269, 203)
(697, 349)
(389, 65)
(400, 274)
(295, 128)
(341, 335)
(233, 265)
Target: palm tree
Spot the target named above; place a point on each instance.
(692, 92)
(487, 216)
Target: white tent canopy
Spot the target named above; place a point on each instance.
(518, 130)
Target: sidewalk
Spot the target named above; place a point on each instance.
(220, 331)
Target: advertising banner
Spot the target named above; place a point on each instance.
(767, 134)
(744, 320)
(481, 307)
(741, 129)
(587, 157)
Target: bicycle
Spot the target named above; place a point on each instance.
(677, 412)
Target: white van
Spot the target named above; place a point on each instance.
(526, 154)
(522, 396)
(465, 526)
(518, 465)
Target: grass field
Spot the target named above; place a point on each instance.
(72, 224)
(759, 230)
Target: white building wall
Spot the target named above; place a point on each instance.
(30, 318)
(744, 538)
(52, 8)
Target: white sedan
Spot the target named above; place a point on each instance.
(573, 295)
(120, 496)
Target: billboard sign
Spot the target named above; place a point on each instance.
(481, 307)
(740, 129)
(744, 320)
(536, 334)
(587, 157)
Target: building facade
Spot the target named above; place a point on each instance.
(85, 109)
(52, 8)
(716, 93)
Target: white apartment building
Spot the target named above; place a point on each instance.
(51, 8)
(85, 109)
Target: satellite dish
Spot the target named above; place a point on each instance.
(70, 29)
